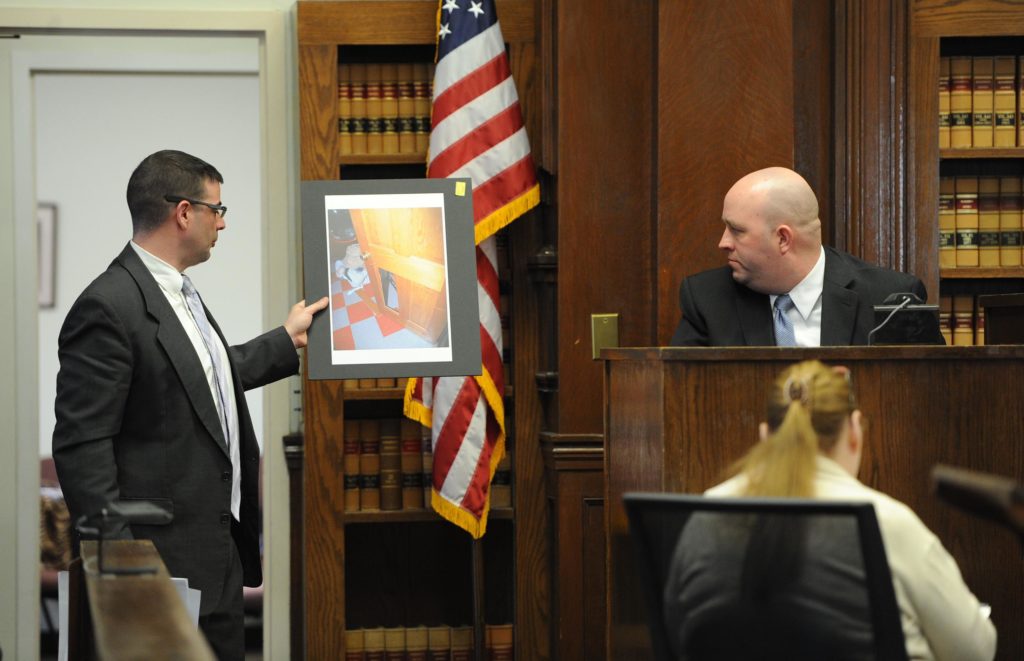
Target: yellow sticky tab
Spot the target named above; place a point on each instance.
(460, 188)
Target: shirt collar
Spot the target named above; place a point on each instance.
(165, 275)
(806, 293)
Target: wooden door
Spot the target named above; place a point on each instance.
(404, 253)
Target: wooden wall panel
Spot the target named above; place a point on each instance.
(605, 68)
(725, 108)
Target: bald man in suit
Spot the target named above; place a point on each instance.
(150, 397)
(781, 287)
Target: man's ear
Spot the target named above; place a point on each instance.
(182, 217)
(856, 435)
(762, 431)
(784, 235)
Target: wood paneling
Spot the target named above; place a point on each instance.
(870, 185)
(575, 484)
(605, 98)
(725, 108)
(371, 22)
(318, 112)
(934, 18)
(658, 440)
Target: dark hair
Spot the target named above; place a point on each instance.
(166, 172)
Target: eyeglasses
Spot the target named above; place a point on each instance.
(218, 209)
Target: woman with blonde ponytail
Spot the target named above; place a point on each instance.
(811, 445)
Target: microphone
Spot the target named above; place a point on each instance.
(986, 496)
(114, 517)
(903, 299)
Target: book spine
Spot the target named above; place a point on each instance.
(369, 466)
(389, 108)
(947, 223)
(416, 642)
(412, 469)
(981, 118)
(354, 645)
(944, 102)
(979, 325)
(394, 644)
(439, 645)
(374, 644)
(963, 318)
(1004, 104)
(421, 106)
(1010, 221)
(966, 222)
(427, 453)
(500, 642)
(960, 102)
(353, 471)
(357, 121)
(946, 318)
(344, 107)
(390, 466)
(988, 222)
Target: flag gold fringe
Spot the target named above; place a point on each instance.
(506, 214)
(416, 410)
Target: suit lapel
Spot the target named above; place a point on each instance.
(179, 348)
(755, 317)
(838, 303)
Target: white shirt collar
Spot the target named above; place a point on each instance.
(806, 293)
(165, 275)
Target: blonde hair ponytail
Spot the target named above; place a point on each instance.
(807, 409)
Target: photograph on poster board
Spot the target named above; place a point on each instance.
(396, 258)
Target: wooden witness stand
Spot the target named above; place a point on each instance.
(136, 616)
(676, 418)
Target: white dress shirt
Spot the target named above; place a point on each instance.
(170, 280)
(805, 315)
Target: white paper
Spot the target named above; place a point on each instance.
(62, 617)
(189, 597)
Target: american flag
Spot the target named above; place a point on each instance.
(477, 132)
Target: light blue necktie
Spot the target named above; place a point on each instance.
(199, 314)
(784, 336)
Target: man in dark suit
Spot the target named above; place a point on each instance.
(781, 286)
(150, 397)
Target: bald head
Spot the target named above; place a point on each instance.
(772, 234)
(780, 196)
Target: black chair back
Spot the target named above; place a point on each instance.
(764, 578)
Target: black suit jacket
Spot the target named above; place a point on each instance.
(136, 421)
(718, 311)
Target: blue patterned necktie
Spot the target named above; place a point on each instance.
(784, 336)
(199, 314)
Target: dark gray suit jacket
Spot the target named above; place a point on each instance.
(136, 421)
(718, 311)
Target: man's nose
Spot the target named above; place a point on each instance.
(724, 243)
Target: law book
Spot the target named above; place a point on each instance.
(407, 134)
(389, 107)
(988, 222)
(416, 643)
(421, 134)
(394, 643)
(462, 643)
(427, 452)
(367, 384)
(354, 645)
(357, 122)
(966, 222)
(385, 382)
(406, 90)
(979, 325)
(412, 465)
(499, 642)
(981, 102)
(390, 466)
(963, 320)
(374, 119)
(1004, 103)
(946, 318)
(350, 384)
(960, 102)
(402, 382)
(947, 223)
(350, 463)
(344, 108)
(369, 465)
(373, 644)
(1020, 100)
(421, 106)
(439, 643)
(501, 484)
(943, 102)
(1010, 221)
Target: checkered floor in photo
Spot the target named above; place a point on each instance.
(355, 325)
